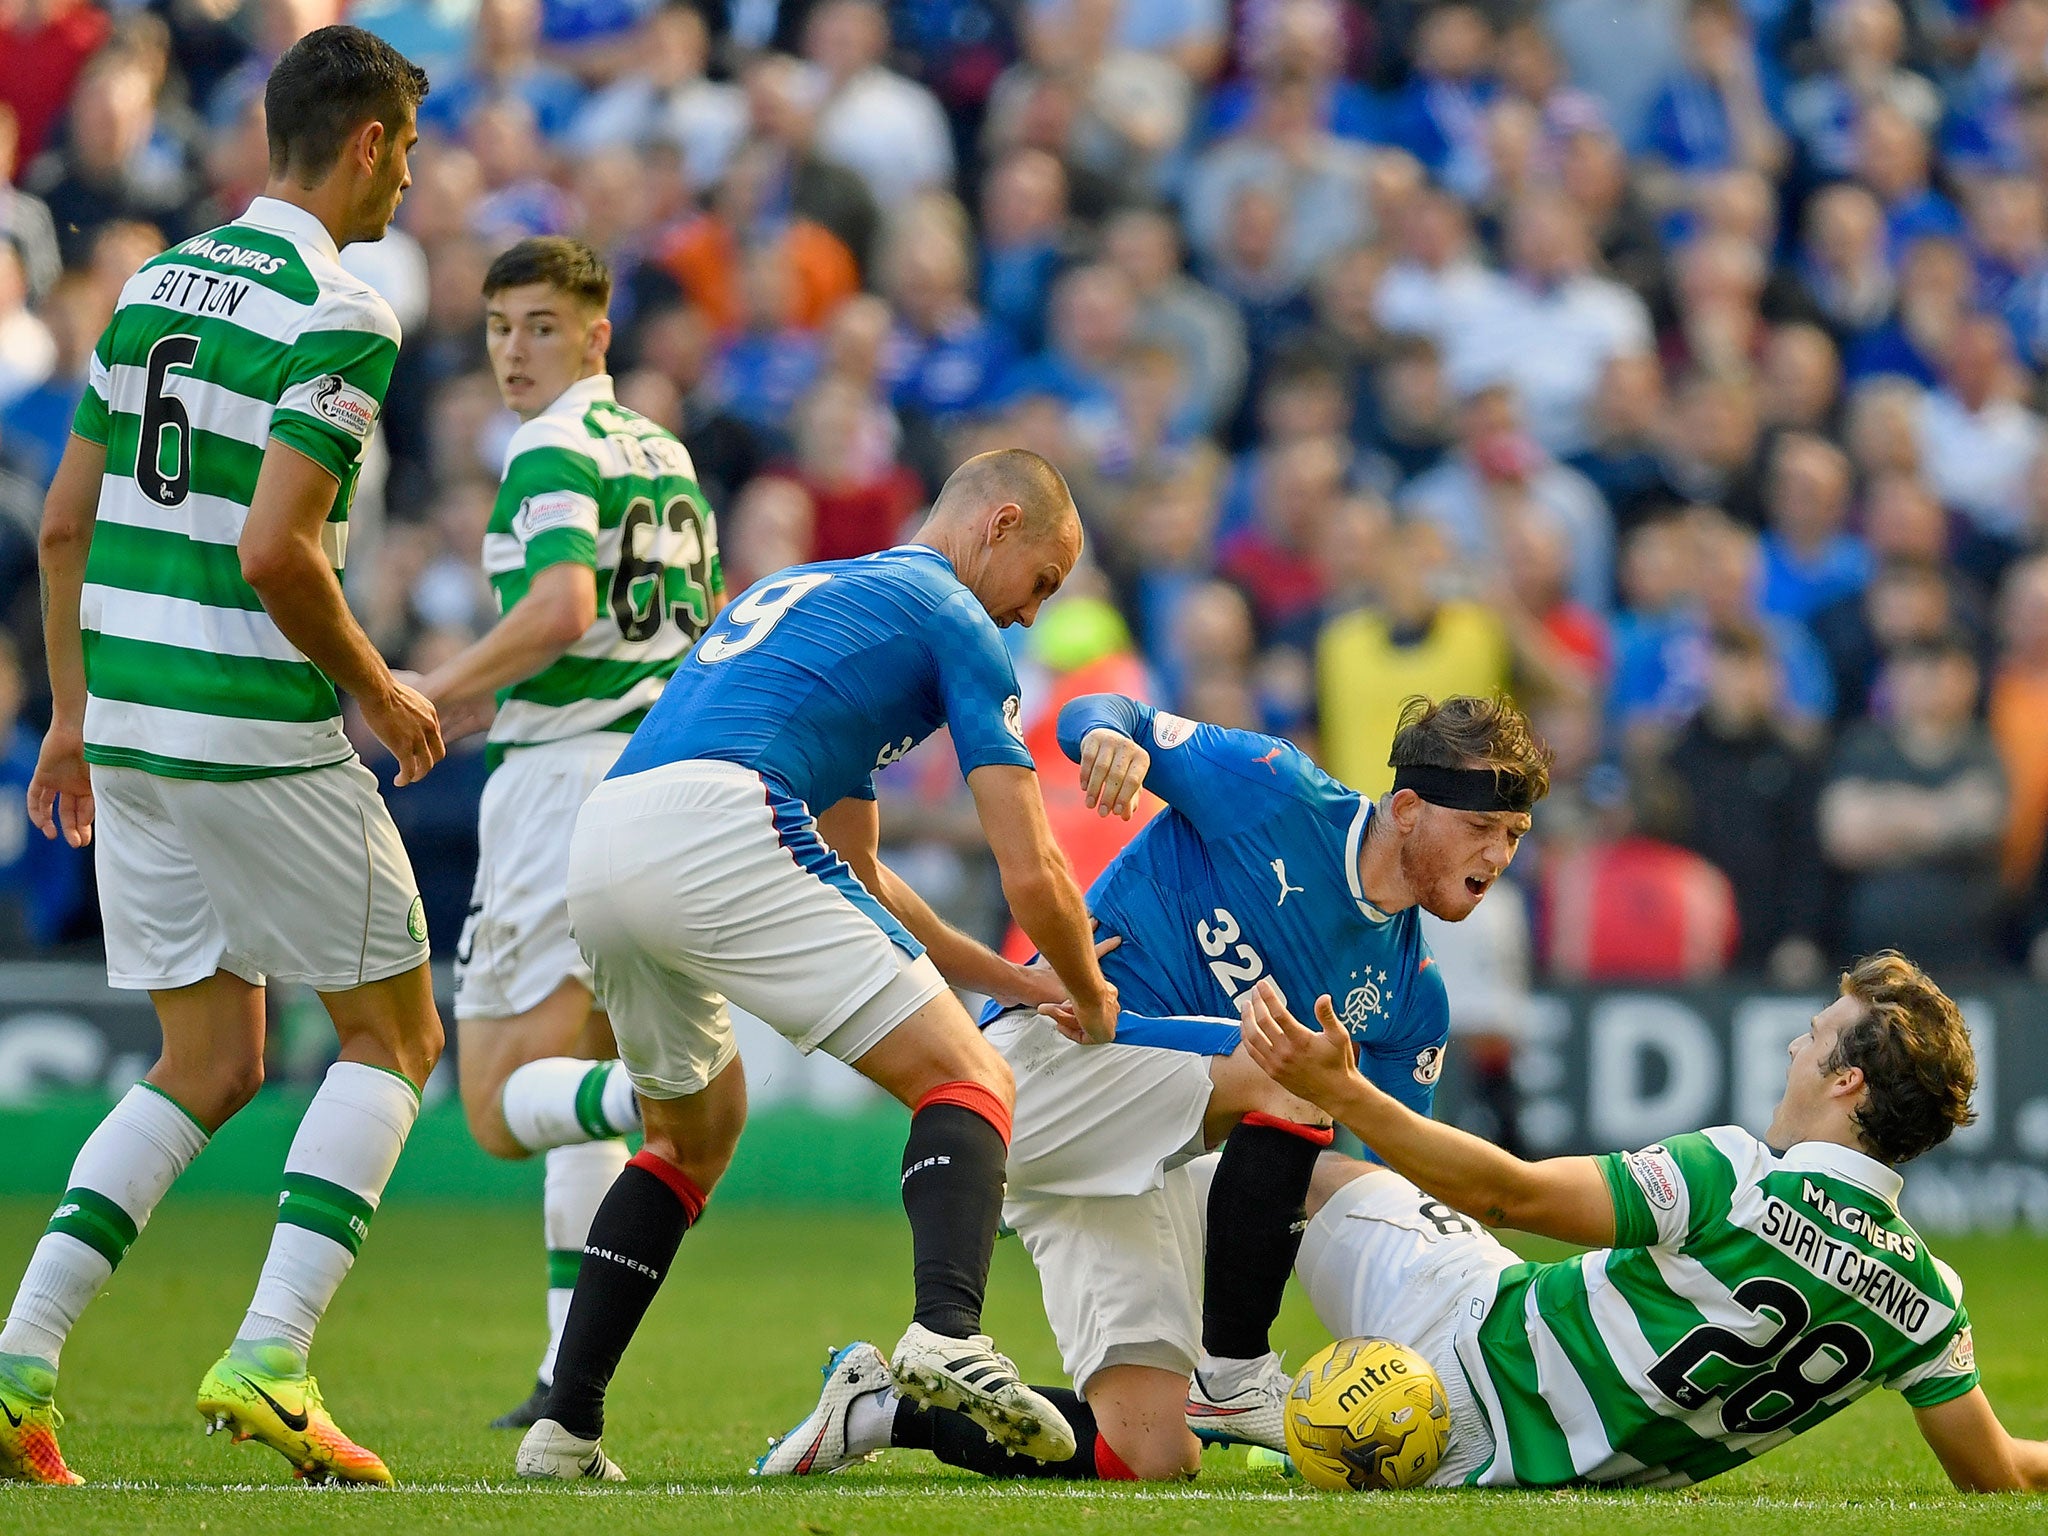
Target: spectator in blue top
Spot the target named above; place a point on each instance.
(1810, 558)
(41, 881)
(1660, 675)
(944, 360)
(2009, 245)
(504, 60)
(761, 373)
(1988, 107)
(1296, 40)
(1710, 115)
(1935, 289)
(1023, 231)
(1893, 161)
(1094, 318)
(1440, 115)
(1865, 40)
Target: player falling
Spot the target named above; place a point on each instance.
(192, 544)
(589, 486)
(1739, 1292)
(731, 853)
(1262, 866)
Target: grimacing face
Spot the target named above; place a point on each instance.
(1450, 859)
(541, 340)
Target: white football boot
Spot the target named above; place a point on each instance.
(968, 1375)
(1252, 1415)
(820, 1443)
(550, 1451)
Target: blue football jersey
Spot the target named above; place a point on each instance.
(1252, 871)
(819, 675)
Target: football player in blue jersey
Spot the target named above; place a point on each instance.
(1262, 866)
(731, 853)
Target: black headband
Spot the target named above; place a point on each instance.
(1457, 789)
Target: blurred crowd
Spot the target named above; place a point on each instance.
(1674, 365)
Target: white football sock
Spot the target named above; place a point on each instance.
(871, 1421)
(561, 1101)
(334, 1176)
(578, 1179)
(125, 1167)
(1223, 1378)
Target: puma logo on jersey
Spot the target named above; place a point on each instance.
(1280, 871)
(1267, 760)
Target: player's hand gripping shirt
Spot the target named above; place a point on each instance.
(819, 675)
(1748, 1297)
(1252, 871)
(225, 341)
(591, 482)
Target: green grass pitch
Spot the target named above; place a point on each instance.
(439, 1326)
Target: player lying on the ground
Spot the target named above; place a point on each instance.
(192, 545)
(698, 873)
(589, 486)
(1262, 865)
(1738, 1293)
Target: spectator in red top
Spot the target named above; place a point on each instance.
(1274, 560)
(1625, 907)
(844, 459)
(43, 46)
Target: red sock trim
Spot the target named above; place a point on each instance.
(1109, 1466)
(1317, 1135)
(973, 1098)
(679, 1183)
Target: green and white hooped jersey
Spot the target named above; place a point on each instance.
(226, 340)
(590, 481)
(1748, 1297)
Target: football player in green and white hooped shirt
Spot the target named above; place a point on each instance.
(191, 546)
(604, 558)
(1739, 1291)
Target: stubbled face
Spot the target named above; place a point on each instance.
(1015, 573)
(388, 181)
(1450, 859)
(541, 341)
(1805, 1108)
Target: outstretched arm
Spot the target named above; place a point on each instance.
(852, 829)
(1561, 1197)
(1976, 1451)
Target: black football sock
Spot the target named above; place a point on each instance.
(953, 1195)
(632, 1242)
(1257, 1206)
(960, 1442)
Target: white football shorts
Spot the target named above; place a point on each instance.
(1104, 1195)
(516, 948)
(296, 877)
(1383, 1260)
(696, 882)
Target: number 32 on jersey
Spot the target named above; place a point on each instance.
(1235, 965)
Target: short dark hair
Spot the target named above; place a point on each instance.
(327, 85)
(558, 261)
(1466, 731)
(1914, 1050)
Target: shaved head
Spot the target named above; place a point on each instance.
(1007, 522)
(1009, 475)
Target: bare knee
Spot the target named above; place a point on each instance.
(483, 1107)
(214, 1093)
(1160, 1454)
(700, 1160)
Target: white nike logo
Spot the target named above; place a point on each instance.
(1280, 870)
